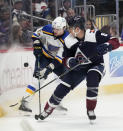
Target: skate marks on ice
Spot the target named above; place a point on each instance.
(26, 126)
(67, 123)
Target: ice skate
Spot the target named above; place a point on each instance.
(91, 115)
(23, 106)
(47, 111)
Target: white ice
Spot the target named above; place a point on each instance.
(109, 113)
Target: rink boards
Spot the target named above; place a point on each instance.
(14, 75)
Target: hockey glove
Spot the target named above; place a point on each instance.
(37, 48)
(104, 48)
(71, 62)
(44, 73)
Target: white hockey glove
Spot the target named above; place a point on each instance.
(45, 72)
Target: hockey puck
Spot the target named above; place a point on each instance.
(26, 64)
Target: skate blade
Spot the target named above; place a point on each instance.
(24, 113)
(92, 122)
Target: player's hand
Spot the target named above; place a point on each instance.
(104, 48)
(37, 48)
(44, 73)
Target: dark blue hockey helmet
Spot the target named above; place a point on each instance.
(77, 21)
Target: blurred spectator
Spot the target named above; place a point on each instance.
(1, 3)
(63, 11)
(21, 24)
(52, 9)
(4, 26)
(17, 12)
(41, 9)
(105, 29)
(90, 24)
(16, 34)
(110, 29)
(21, 34)
(26, 6)
(70, 14)
(113, 29)
(26, 32)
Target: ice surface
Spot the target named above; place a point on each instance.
(109, 108)
(109, 113)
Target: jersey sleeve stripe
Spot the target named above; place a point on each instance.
(59, 59)
(48, 33)
(35, 35)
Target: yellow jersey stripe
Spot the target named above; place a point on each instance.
(58, 59)
(47, 32)
(34, 36)
(46, 54)
(61, 40)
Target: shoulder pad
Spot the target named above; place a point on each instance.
(90, 35)
(70, 41)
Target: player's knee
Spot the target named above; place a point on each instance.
(93, 79)
(60, 92)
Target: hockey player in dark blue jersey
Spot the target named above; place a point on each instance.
(48, 47)
(89, 58)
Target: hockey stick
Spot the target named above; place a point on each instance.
(63, 74)
(39, 88)
(66, 72)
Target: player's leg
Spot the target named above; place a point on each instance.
(29, 91)
(60, 92)
(69, 82)
(57, 73)
(93, 79)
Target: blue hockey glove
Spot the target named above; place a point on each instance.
(37, 48)
(71, 62)
(104, 48)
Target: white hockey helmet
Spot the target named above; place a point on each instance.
(59, 23)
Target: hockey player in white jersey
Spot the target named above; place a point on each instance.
(48, 47)
(90, 56)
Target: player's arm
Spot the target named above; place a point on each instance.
(105, 38)
(108, 44)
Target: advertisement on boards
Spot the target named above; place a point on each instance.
(116, 64)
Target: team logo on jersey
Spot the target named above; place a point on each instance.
(82, 58)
